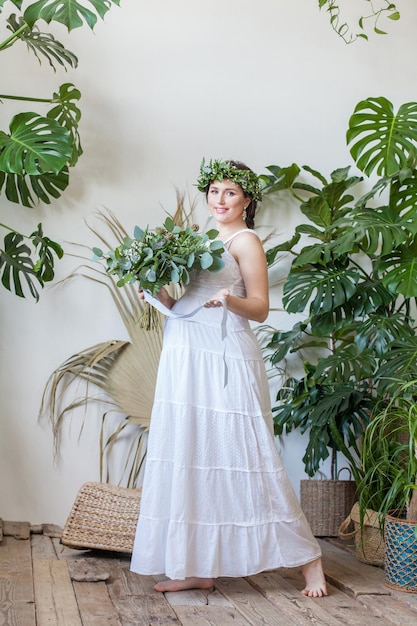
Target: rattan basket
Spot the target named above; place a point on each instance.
(326, 503)
(103, 517)
(401, 553)
(369, 540)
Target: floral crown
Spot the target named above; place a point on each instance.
(218, 170)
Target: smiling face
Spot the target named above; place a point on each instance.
(227, 202)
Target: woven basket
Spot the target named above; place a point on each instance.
(401, 554)
(369, 541)
(326, 503)
(103, 517)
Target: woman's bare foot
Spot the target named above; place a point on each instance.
(187, 583)
(314, 579)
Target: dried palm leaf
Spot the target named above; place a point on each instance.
(119, 374)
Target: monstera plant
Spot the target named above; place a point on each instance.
(41, 145)
(353, 278)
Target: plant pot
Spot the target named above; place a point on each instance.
(401, 554)
(369, 540)
(326, 503)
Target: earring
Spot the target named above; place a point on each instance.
(244, 216)
(210, 216)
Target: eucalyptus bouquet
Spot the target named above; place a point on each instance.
(167, 254)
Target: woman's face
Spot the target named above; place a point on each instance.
(226, 201)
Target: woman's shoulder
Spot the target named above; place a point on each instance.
(244, 231)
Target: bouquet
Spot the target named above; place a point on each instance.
(155, 258)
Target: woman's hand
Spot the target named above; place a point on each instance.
(162, 295)
(165, 299)
(215, 301)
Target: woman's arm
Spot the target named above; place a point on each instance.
(249, 253)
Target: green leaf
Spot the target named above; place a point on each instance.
(380, 139)
(16, 264)
(17, 3)
(280, 178)
(287, 246)
(71, 13)
(394, 16)
(378, 331)
(45, 248)
(324, 288)
(169, 224)
(68, 115)
(42, 44)
(36, 145)
(206, 260)
(28, 190)
(212, 233)
(400, 268)
(217, 264)
(216, 245)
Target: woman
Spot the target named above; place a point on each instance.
(216, 500)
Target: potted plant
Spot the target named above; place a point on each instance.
(389, 483)
(354, 278)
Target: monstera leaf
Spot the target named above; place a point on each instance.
(71, 13)
(27, 190)
(68, 115)
(380, 139)
(43, 44)
(36, 145)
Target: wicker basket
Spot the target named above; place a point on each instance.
(103, 517)
(401, 554)
(326, 503)
(369, 540)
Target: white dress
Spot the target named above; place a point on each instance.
(216, 499)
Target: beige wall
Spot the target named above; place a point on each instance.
(163, 84)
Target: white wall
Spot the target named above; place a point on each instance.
(163, 84)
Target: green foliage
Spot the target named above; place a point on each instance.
(354, 277)
(155, 258)
(40, 148)
(389, 455)
(393, 135)
(345, 30)
(17, 264)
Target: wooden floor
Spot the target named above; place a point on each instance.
(44, 583)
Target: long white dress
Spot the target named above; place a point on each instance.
(216, 499)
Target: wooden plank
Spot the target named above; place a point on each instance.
(136, 601)
(42, 547)
(389, 609)
(288, 598)
(210, 616)
(256, 609)
(95, 606)
(338, 604)
(344, 571)
(196, 597)
(54, 594)
(63, 552)
(15, 610)
(16, 587)
(372, 572)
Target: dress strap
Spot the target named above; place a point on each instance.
(244, 230)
